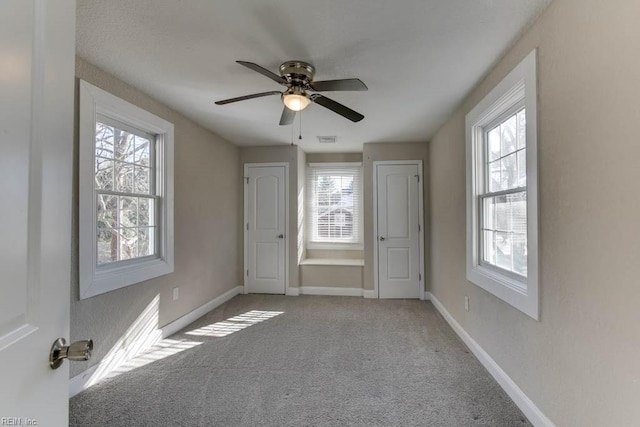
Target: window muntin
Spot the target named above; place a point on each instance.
(334, 204)
(126, 203)
(503, 204)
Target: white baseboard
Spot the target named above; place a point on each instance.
(322, 290)
(293, 292)
(85, 379)
(80, 381)
(191, 317)
(526, 405)
(369, 293)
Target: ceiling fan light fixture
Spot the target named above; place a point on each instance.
(295, 101)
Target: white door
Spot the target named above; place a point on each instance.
(265, 229)
(37, 56)
(398, 236)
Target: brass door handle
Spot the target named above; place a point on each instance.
(382, 239)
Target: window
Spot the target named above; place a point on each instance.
(503, 203)
(502, 190)
(126, 193)
(334, 205)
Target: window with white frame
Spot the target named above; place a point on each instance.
(502, 213)
(334, 205)
(126, 193)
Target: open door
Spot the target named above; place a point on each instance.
(37, 45)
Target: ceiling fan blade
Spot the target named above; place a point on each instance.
(334, 85)
(242, 98)
(287, 117)
(336, 107)
(255, 67)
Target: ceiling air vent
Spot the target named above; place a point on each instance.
(327, 139)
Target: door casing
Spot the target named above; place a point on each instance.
(245, 289)
(420, 218)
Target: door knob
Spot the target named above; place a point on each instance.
(280, 236)
(382, 239)
(77, 351)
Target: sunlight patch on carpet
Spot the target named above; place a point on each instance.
(165, 348)
(234, 324)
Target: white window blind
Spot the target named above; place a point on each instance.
(334, 204)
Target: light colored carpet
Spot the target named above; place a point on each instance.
(324, 361)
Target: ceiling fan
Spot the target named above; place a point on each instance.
(297, 76)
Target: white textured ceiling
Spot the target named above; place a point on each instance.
(419, 58)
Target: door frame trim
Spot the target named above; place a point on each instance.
(245, 184)
(421, 281)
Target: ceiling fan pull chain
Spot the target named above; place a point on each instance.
(300, 135)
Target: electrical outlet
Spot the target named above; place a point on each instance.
(466, 303)
(176, 293)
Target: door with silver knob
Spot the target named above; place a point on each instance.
(265, 229)
(398, 228)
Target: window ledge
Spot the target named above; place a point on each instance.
(335, 246)
(333, 261)
(521, 295)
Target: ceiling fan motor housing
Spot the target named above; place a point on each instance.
(298, 73)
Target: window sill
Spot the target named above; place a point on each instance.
(333, 261)
(98, 281)
(521, 295)
(335, 246)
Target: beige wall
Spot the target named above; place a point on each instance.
(379, 152)
(579, 363)
(281, 154)
(207, 224)
(335, 276)
(333, 157)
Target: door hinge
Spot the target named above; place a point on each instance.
(419, 228)
(247, 273)
(417, 176)
(419, 277)
(247, 178)
(247, 226)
